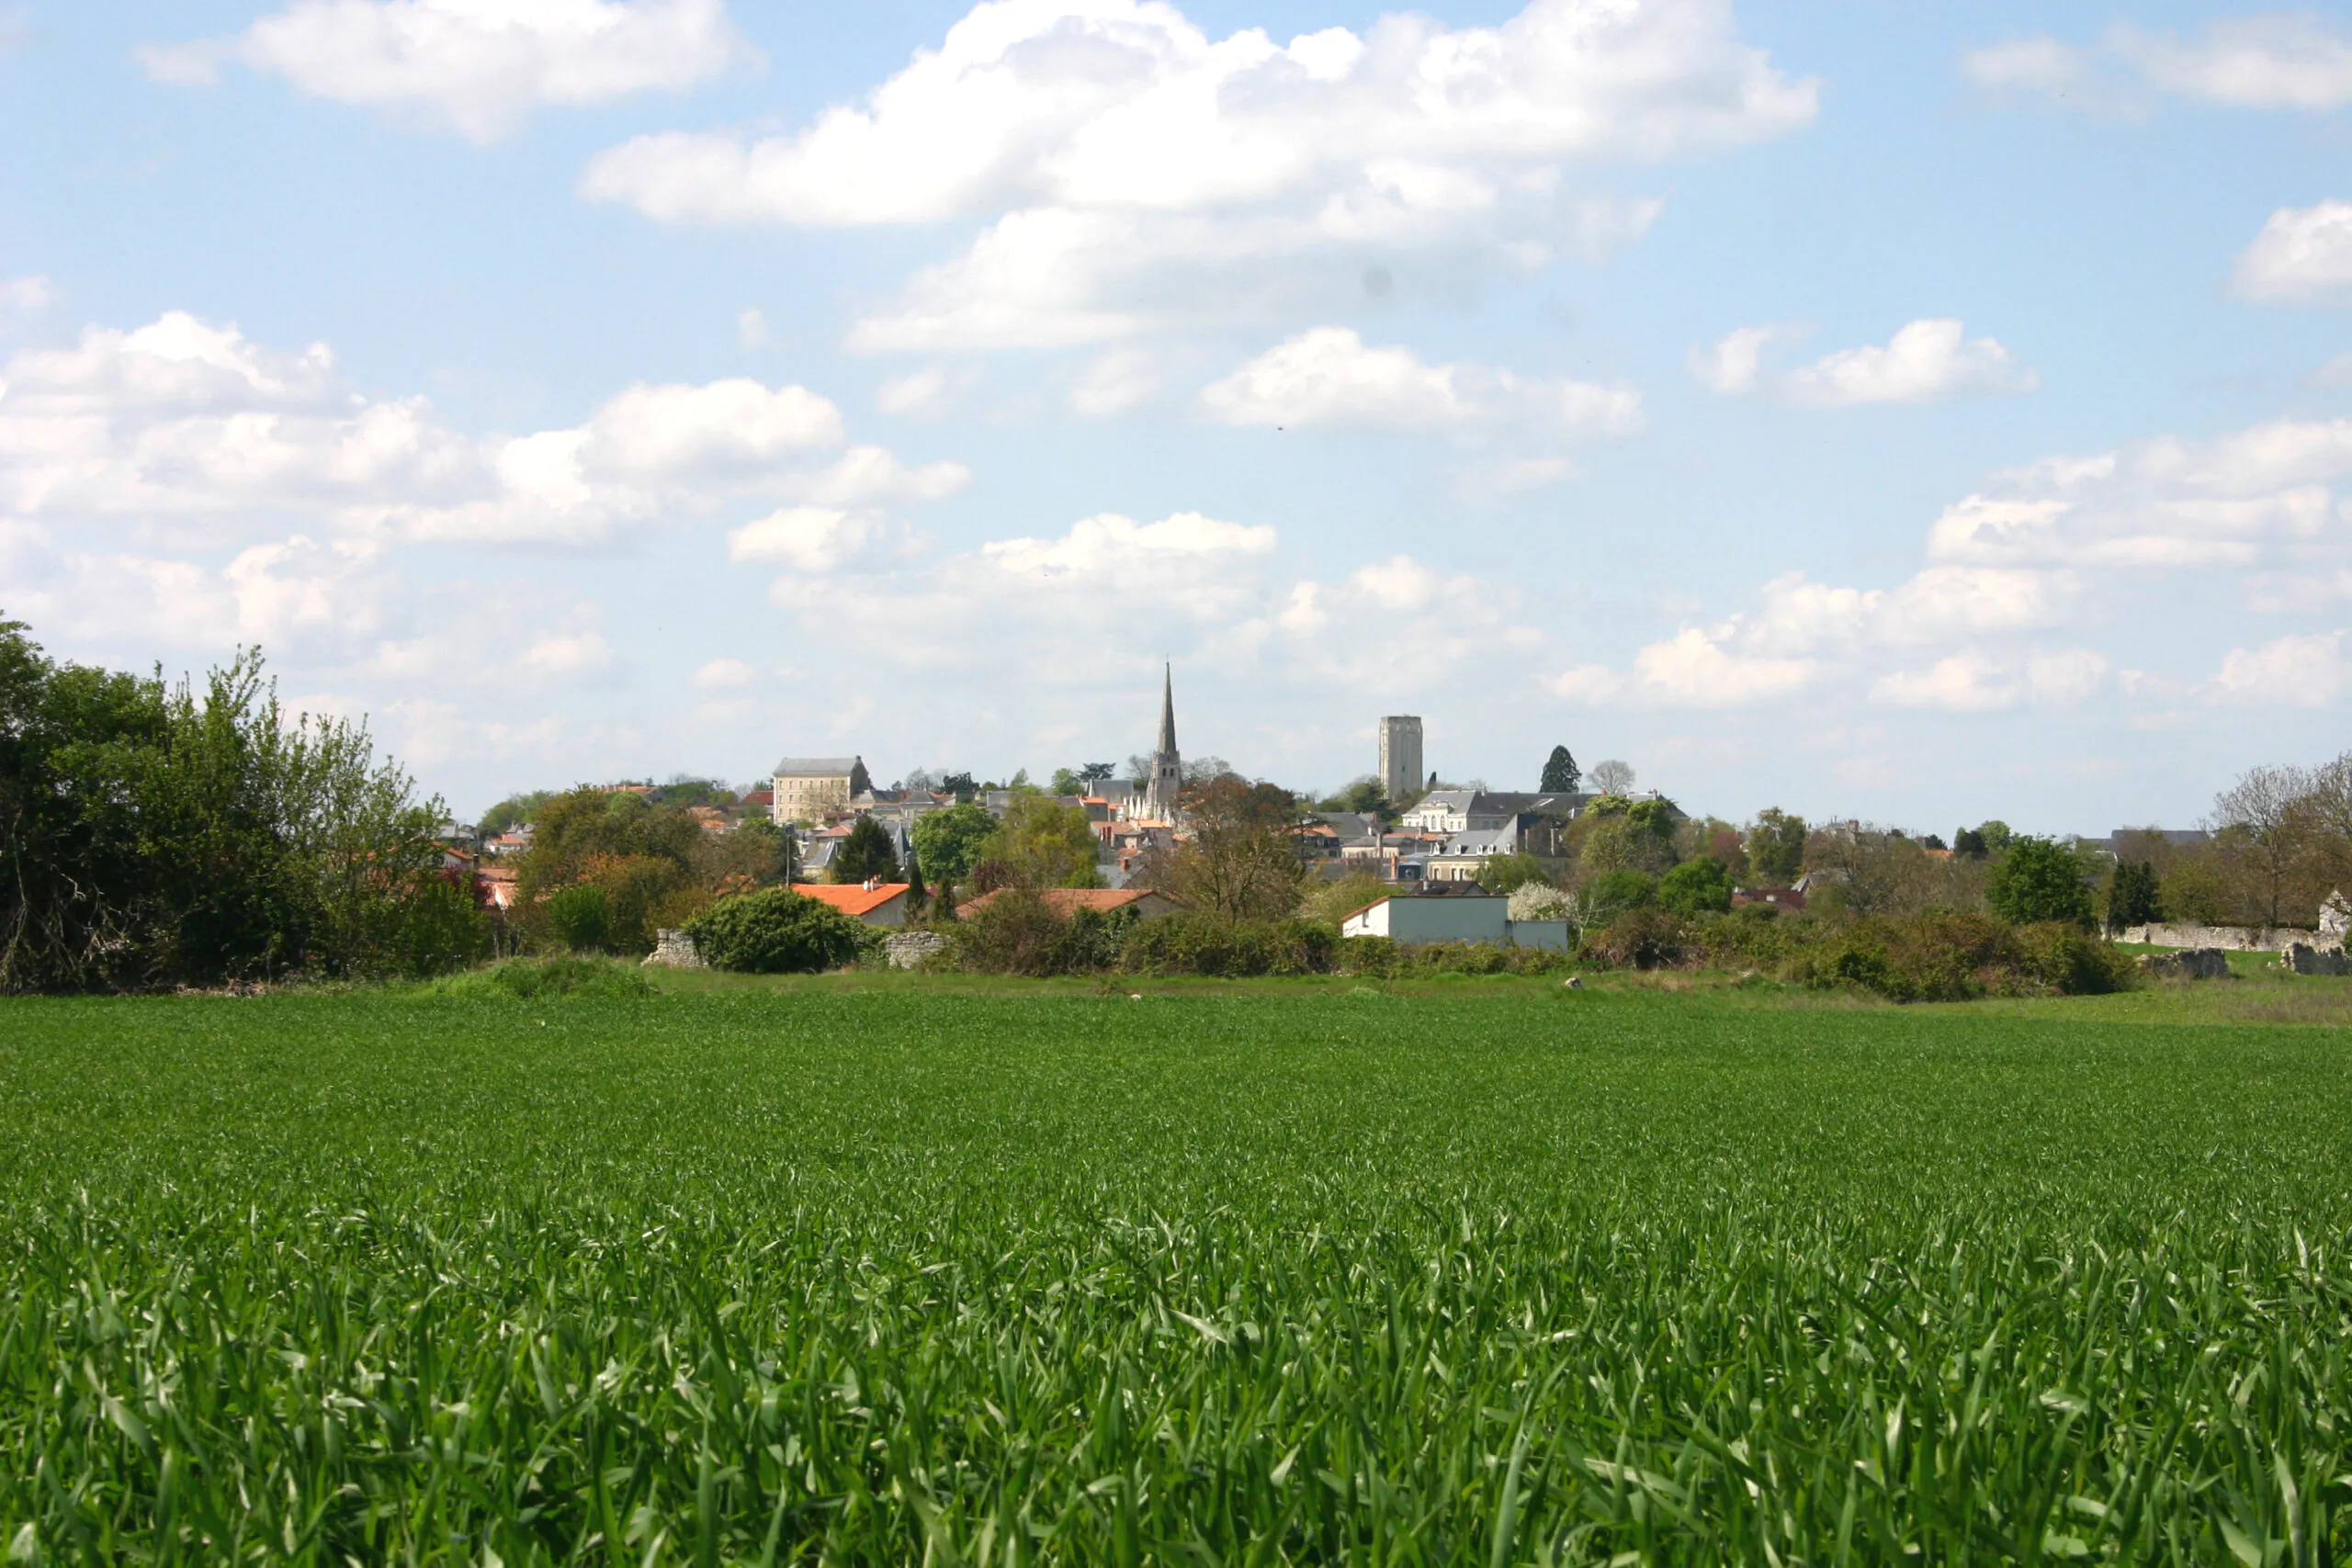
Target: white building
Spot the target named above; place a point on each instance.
(1409, 919)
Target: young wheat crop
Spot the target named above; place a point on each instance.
(1560, 1278)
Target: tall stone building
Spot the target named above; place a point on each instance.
(1400, 757)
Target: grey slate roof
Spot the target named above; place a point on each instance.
(817, 767)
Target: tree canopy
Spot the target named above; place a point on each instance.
(153, 834)
(2037, 879)
(1560, 773)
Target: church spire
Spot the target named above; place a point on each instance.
(1167, 784)
(1168, 710)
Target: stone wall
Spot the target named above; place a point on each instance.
(906, 950)
(2196, 964)
(673, 950)
(2301, 958)
(2236, 938)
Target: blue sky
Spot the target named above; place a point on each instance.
(1916, 412)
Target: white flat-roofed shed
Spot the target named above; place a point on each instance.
(1409, 919)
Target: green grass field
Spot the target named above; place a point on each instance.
(901, 1272)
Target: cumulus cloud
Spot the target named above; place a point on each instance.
(927, 393)
(1100, 603)
(1133, 171)
(1927, 361)
(2274, 60)
(191, 423)
(24, 296)
(2039, 64)
(1973, 681)
(2302, 255)
(1329, 376)
(476, 67)
(2290, 671)
(568, 654)
(1735, 365)
(2259, 493)
(1692, 668)
(2269, 61)
(724, 674)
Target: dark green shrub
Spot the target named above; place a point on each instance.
(581, 920)
(1205, 946)
(440, 931)
(532, 979)
(1700, 887)
(2037, 880)
(1374, 956)
(776, 932)
(1612, 892)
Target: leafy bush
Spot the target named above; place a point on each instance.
(1508, 874)
(581, 920)
(1645, 938)
(2037, 880)
(440, 929)
(1017, 932)
(1696, 888)
(2074, 963)
(531, 978)
(776, 932)
(1205, 946)
(1952, 957)
(1610, 894)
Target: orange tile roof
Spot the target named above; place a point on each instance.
(1069, 901)
(852, 900)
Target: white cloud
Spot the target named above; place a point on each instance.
(191, 423)
(2268, 61)
(2038, 64)
(927, 393)
(1926, 361)
(474, 66)
(724, 674)
(2166, 503)
(750, 327)
(1138, 174)
(806, 538)
(1100, 603)
(568, 654)
(1733, 367)
(24, 296)
(2273, 61)
(1691, 669)
(2288, 671)
(1973, 681)
(1327, 375)
(1115, 381)
(1934, 605)
(2301, 256)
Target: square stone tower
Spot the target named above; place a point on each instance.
(1400, 757)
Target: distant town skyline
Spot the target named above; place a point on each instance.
(1915, 414)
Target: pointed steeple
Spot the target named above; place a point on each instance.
(1168, 710)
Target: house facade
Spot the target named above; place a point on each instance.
(809, 788)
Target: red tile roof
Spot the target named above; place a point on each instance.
(852, 900)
